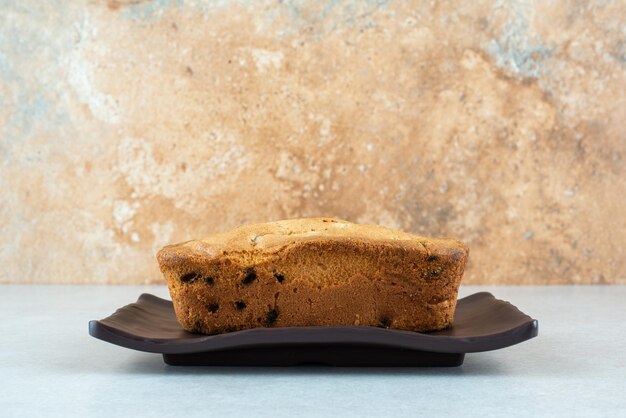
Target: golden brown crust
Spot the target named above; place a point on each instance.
(313, 272)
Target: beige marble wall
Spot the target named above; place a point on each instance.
(126, 125)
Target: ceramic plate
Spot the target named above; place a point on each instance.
(481, 323)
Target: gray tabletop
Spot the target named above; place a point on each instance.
(49, 365)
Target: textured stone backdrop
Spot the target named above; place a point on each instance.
(127, 125)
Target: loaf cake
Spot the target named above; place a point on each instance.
(313, 272)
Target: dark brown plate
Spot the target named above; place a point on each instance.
(481, 323)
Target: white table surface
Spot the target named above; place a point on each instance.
(50, 366)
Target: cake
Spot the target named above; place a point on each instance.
(313, 272)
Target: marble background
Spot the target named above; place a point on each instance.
(126, 125)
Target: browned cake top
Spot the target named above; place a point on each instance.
(268, 238)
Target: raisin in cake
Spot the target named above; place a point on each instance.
(313, 272)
